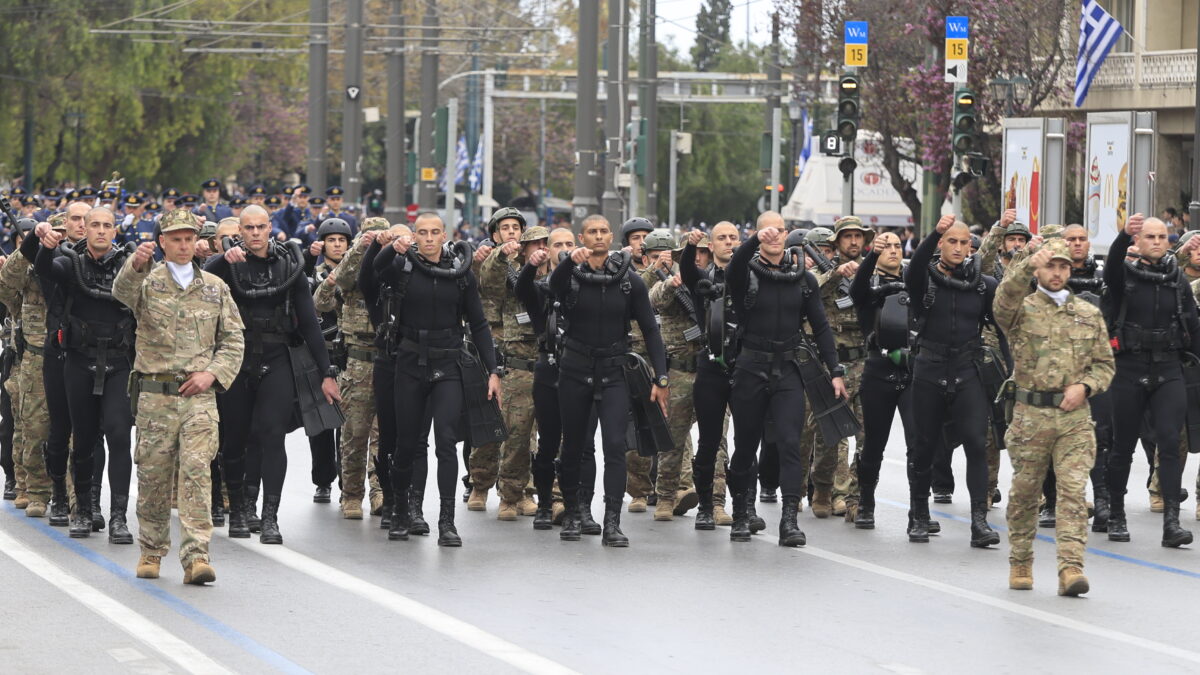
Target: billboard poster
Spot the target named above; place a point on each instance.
(1106, 191)
(1024, 162)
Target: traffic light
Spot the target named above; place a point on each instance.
(635, 147)
(966, 123)
(849, 110)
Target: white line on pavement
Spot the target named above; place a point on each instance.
(470, 635)
(185, 655)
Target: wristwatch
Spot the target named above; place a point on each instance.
(333, 372)
(838, 371)
(661, 381)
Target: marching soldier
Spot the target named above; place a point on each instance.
(334, 196)
(212, 208)
(1061, 357)
(189, 346)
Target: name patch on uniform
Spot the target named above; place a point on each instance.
(523, 318)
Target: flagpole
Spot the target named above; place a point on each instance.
(1194, 206)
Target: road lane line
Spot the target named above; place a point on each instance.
(465, 633)
(183, 654)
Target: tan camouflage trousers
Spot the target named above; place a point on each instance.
(832, 467)
(675, 467)
(31, 427)
(174, 429)
(358, 406)
(515, 458)
(485, 466)
(1037, 437)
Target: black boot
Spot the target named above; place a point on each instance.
(385, 515)
(982, 535)
(790, 533)
(238, 528)
(218, 515)
(97, 515)
(10, 489)
(767, 495)
(918, 521)
(250, 508)
(1046, 517)
(60, 506)
(447, 533)
(1117, 529)
(740, 530)
(81, 520)
(704, 514)
(416, 514)
(323, 494)
(587, 524)
(118, 529)
(865, 519)
(757, 524)
(571, 523)
(1101, 511)
(612, 524)
(269, 525)
(400, 520)
(1174, 536)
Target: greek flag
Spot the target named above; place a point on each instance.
(806, 146)
(462, 162)
(475, 180)
(1098, 32)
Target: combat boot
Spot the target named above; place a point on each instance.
(704, 515)
(118, 528)
(250, 508)
(238, 528)
(527, 507)
(269, 532)
(323, 494)
(97, 516)
(557, 511)
(1101, 513)
(1071, 582)
(351, 508)
(755, 521)
(685, 500)
(546, 506)
(398, 524)
(389, 504)
(376, 503)
(740, 531)
(918, 521)
(10, 489)
(767, 495)
(570, 524)
(544, 518)
(478, 500)
(1174, 536)
(60, 509)
(637, 505)
(587, 524)
(507, 511)
(982, 535)
(36, 508)
(943, 497)
(81, 519)
(218, 515)
(1156, 502)
(1117, 529)
(720, 516)
(21, 501)
(613, 536)
(447, 533)
(865, 518)
(199, 572)
(839, 506)
(665, 509)
(147, 567)
(822, 502)
(790, 533)
(416, 514)
(1020, 576)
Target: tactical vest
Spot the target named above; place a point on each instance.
(965, 277)
(94, 279)
(1132, 338)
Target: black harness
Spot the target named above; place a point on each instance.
(94, 338)
(1134, 338)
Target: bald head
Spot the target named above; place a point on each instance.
(253, 211)
(769, 219)
(1152, 241)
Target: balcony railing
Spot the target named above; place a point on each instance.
(1148, 70)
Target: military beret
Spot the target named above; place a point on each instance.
(179, 219)
(211, 184)
(334, 191)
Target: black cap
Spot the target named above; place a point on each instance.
(143, 195)
(334, 191)
(86, 192)
(237, 202)
(18, 192)
(133, 200)
(256, 191)
(154, 206)
(188, 200)
(52, 193)
(304, 189)
(211, 184)
(274, 200)
(287, 190)
(73, 195)
(171, 193)
(29, 200)
(317, 201)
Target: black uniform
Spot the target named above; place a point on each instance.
(96, 333)
(323, 447)
(597, 308)
(1152, 317)
(773, 302)
(950, 311)
(427, 338)
(8, 362)
(277, 309)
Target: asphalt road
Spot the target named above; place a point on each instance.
(338, 597)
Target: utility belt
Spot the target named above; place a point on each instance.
(683, 365)
(156, 383)
(257, 338)
(1135, 339)
(360, 353)
(760, 350)
(946, 351)
(1039, 399)
(24, 345)
(437, 345)
(853, 353)
(517, 363)
(80, 338)
(599, 362)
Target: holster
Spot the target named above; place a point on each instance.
(316, 414)
(833, 415)
(650, 425)
(992, 375)
(1006, 400)
(485, 422)
(1191, 380)
(132, 389)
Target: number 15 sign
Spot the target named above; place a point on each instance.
(856, 43)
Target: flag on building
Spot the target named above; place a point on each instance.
(1098, 32)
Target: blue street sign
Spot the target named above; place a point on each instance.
(856, 32)
(956, 28)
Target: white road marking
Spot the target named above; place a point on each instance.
(469, 635)
(183, 654)
(125, 654)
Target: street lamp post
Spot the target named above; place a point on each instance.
(795, 112)
(75, 121)
(1014, 92)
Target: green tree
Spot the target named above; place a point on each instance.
(712, 33)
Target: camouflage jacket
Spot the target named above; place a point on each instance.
(516, 338)
(21, 292)
(182, 330)
(673, 319)
(989, 252)
(843, 321)
(1053, 347)
(637, 343)
(344, 298)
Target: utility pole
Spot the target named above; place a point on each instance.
(1194, 206)
(451, 163)
(776, 155)
(773, 112)
(585, 202)
(318, 92)
(429, 101)
(396, 152)
(649, 103)
(614, 108)
(352, 120)
(472, 200)
(930, 212)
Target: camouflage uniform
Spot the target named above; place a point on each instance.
(357, 380)
(21, 292)
(484, 462)
(179, 331)
(674, 468)
(1053, 347)
(638, 469)
(518, 342)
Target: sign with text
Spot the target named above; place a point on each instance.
(957, 43)
(856, 43)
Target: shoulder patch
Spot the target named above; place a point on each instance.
(158, 286)
(210, 293)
